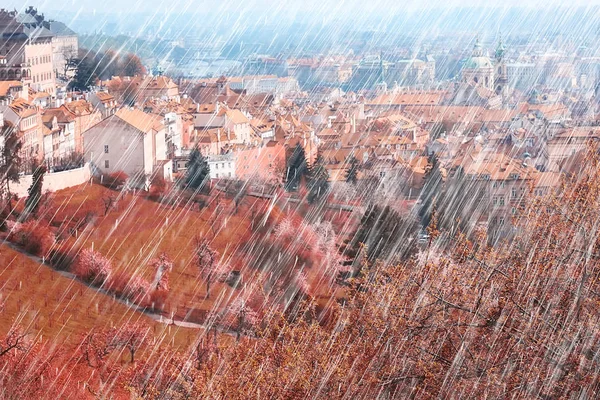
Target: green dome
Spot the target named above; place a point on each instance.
(478, 63)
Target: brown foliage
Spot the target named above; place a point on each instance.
(115, 181)
(34, 236)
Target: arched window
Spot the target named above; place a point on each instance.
(2, 75)
(11, 74)
(486, 81)
(476, 79)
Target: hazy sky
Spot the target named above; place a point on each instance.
(267, 5)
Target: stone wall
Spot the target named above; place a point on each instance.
(54, 181)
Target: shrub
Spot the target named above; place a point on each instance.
(137, 290)
(157, 299)
(61, 260)
(158, 188)
(116, 180)
(35, 237)
(92, 267)
(162, 265)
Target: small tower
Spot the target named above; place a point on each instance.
(501, 81)
(381, 85)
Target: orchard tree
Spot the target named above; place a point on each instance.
(240, 317)
(207, 260)
(131, 337)
(92, 267)
(162, 265)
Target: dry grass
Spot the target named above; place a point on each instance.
(51, 306)
(138, 229)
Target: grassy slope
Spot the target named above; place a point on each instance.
(139, 229)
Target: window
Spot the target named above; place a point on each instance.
(501, 221)
(514, 176)
(513, 193)
(216, 175)
(105, 149)
(222, 165)
(513, 210)
(106, 164)
(382, 174)
(498, 184)
(498, 201)
(485, 177)
(229, 174)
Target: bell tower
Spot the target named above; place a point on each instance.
(501, 81)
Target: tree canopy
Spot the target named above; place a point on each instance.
(296, 169)
(198, 172)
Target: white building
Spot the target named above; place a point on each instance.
(130, 141)
(222, 166)
(264, 84)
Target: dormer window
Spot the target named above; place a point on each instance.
(485, 177)
(514, 176)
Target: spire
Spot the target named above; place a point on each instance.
(477, 52)
(500, 50)
(381, 69)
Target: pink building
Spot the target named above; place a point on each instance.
(28, 50)
(260, 163)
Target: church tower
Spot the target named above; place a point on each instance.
(381, 85)
(501, 81)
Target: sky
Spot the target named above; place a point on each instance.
(199, 5)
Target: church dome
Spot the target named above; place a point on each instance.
(478, 62)
(478, 59)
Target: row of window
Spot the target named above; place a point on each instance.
(223, 165)
(42, 77)
(487, 177)
(39, 60)
(498, 201)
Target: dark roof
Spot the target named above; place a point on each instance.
(60, 29)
